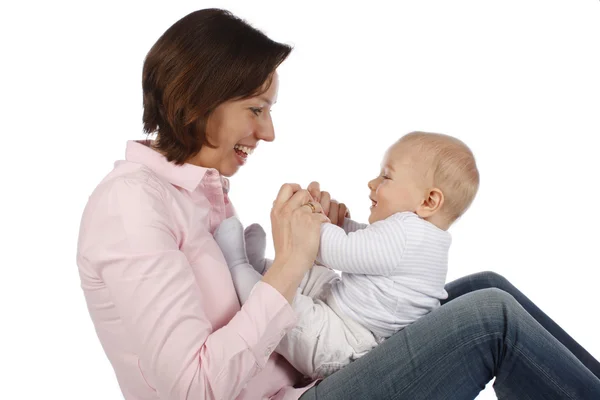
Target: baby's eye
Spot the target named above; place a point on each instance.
(256, 110)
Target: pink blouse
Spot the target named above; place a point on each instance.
(161, 296)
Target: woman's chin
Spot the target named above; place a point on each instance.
(232, 167)
(229, 170)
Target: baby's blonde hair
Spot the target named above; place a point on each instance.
(448, 165)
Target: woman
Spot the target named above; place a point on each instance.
(160, 294)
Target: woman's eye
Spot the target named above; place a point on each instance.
(385, 177)
(256, 111)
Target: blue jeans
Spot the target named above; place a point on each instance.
(486, 329)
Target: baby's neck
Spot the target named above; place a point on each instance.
(439, 221)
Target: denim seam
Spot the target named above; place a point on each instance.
(446, 356)
(480, 337)
(515, 348)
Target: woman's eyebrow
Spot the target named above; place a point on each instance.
(269, 102)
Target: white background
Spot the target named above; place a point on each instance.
(517, 80)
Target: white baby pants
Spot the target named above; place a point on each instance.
(324, 339)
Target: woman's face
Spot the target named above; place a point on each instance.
(236, 127)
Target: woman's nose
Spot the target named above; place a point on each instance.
(266, 131)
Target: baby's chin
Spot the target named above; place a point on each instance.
(373, 217)
(380, 215)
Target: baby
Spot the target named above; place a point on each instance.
(393, 270)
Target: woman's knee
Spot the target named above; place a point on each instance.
(494, 280)
(494, 306)
(496, 296)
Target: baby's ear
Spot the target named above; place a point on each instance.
(432, 204)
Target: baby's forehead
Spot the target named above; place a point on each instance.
(406, 156)
(403, 152)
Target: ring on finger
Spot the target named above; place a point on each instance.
(312, 206)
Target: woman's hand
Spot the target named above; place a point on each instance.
(296, 227)
(334, 210)
(296, 230)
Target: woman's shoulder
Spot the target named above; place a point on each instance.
(131, 177)
(128, 186)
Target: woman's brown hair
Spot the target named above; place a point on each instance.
(205, 59)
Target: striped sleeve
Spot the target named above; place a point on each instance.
(374, 250)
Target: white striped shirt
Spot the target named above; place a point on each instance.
(393, 271)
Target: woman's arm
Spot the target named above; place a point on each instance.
(136, 254)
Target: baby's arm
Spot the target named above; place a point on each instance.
(374, 250)
(256, 243)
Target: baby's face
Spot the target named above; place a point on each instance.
(397, 188)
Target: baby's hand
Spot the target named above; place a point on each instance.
(230, 238)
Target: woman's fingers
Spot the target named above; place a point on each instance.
(312, 207)
(286, 191)
(317, 219)
(323, 218)
(314, 188)
(333, 212)
(325, 202)
(322, 197)
(298, 199)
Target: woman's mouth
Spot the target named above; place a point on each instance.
(242, 152)
(374, 203)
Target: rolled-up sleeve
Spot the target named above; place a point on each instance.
(135, 251)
